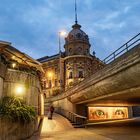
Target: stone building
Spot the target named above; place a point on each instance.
(68, 68)
(20, 76)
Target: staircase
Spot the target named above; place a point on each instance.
(76, 120)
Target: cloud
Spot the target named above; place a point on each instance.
(127, 9)
(112, 15)
(33, 25)
(109, 25)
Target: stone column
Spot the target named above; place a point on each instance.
(2, 74)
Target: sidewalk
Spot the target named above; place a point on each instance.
(59, 128)
(57, 124)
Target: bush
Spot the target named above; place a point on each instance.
(15, 109)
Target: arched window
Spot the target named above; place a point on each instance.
(70, 75)
(49, 84)
(79, 49)
(80, 74)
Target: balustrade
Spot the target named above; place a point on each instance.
(71, 116)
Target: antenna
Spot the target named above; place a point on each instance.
(76, 12)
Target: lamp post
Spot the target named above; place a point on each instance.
(61, 33)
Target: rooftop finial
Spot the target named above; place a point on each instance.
(76, 12)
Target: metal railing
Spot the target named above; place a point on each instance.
(71, 116)
(124, 48)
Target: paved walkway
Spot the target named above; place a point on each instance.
(59, 128)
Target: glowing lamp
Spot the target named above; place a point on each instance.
(13, 65)
(62, 33)
(19, 90)
(50, 74)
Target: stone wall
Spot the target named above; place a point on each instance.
(30, 82)
(16, 131)
(65, 104)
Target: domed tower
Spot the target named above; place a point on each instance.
(79, 63)
(77, 42)
(78, 60)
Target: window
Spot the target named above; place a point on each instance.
(55, 70)
(70, 50)
(44, 84)
(55, 82)
(81, 74)
(79, 49)
(70, 75)
(50, 83)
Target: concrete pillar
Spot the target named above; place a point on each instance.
(41, 104)
(130, 112)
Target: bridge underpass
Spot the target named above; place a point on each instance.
(117, 85)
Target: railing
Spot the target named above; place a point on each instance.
(124, 48)
(71, 116)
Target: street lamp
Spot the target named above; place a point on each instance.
(61, 33)
(20, 90)
(13, 65)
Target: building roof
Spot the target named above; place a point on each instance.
(15, 54)
(48, 58)
(77, 34)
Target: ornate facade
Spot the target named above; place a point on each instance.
(68, 68)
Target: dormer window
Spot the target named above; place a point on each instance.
(70, 36)
(87, 37)
(78, 35)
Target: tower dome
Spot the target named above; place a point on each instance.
(76, 34)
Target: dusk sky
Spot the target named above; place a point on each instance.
(32, 26)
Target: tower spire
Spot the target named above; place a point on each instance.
(76, 13)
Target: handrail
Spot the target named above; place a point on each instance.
(124, 48)
(73, 117)
(79, 116)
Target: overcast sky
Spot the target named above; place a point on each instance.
(33, 25)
